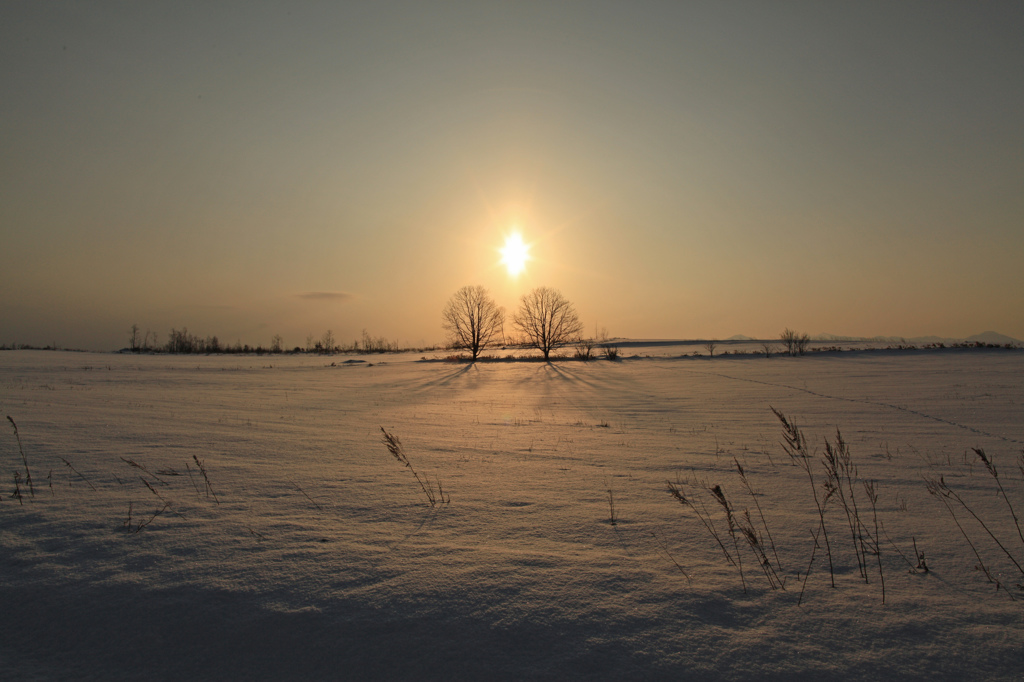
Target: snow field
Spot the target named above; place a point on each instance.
(323, 559)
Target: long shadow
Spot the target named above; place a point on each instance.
(445, 379)
(427, 518)
(570, 376)
(565, 374)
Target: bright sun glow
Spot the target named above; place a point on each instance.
(515, 254)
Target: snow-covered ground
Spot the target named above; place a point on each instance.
(321, 559)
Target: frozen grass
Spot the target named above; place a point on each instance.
(560, 554)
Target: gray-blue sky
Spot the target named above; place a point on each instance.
(683, 169)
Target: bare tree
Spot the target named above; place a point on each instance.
(788, 338)
(327, 342)
(133, 340)
(473, 320)
(584, 349)
(711, 346)
(610, 350)
(796, 344)
(378, 344)
(801, 344)
(547, 320)
(180, 341)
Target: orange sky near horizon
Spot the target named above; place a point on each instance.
(679, 170)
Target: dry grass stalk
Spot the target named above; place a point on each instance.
(167, 503)
(991, 467)
(841, 474)
(764, 523)
(206, 478)
(869, 490)
(795, 446)
(299, 488)
(748, 533)
(148, 521)
(716, 492)
(753, 539)
(28, 474)
(191, 480)
(255, 533)
(394, 446)
(611, 504)
(676, 491)
(76, 471)
(700, 509)
(136, 465)
(921, 563)
(151, 489)
(936, 490)
(807, 573)
(941, 490)
(664, 548)
(920, 567)
(16, 494)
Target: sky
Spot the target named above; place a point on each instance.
(679, 169)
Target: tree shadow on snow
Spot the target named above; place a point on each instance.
(446, 379)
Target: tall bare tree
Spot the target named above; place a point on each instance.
(547, 320)
(473, 320)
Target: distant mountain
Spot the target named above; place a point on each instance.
(739, 337)
(834, 337)
(992, 337)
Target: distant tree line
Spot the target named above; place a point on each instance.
(180, 341)
(328, 345)
(29, 346)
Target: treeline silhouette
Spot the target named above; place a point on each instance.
(181, 341)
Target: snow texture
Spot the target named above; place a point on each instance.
(319, 556)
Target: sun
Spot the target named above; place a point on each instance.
(515, 254)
